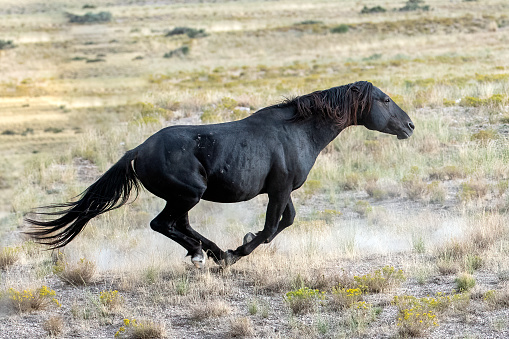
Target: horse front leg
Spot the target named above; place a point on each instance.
(277, 204)
(286, 220)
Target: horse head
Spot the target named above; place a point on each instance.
(384, 115)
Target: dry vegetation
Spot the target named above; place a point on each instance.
(392, 238)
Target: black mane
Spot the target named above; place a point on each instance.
(342, 105)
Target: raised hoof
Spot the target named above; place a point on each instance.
(199, 260)
(248, 238)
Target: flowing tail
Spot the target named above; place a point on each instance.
(109, 192)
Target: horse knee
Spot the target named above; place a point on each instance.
(161, 227)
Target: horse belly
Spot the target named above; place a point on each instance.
(233, 188)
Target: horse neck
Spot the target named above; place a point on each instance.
(321, 132)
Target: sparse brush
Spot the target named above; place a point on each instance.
(54, 325)
(416, 316)
(464, 282)
(241, 327)
(190, 32)
(178, 52)
(343, 28)
(359, 315)
(89, 17)
(363, 207)
(209, 309)
(375, 191)
(29, 300)
(473, 263)
(8, 256)
(497, 298)
(140, 329)
(111, 299)
(80, 273)
(414, 186)
(415, 322)
(380, 280)
(375, 9)
(303, 300)
(447, 266)
(342, 297)
(6, 44)
(436, 192)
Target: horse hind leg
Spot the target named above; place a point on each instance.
(166, 224)
(211, 249)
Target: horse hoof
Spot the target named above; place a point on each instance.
(248, 238)
(229, 259)
(198, 260)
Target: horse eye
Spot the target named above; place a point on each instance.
(387, 100)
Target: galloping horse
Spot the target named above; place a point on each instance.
(270, 152)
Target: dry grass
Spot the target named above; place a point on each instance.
(210, 309)
(8, 256)
(54, 325)
(141, 329)
(80, 273)
(241, 327)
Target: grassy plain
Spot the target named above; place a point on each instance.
(74, 97)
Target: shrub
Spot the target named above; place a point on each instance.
(447, 266)
(6, 44)
(414, 186)
(111, 299)
(380, 280)
(448, 103)
(241, 327)
(178, 52)
(484, 136)
(438, 303)
(303, 300)
(89, 17)
(376, 9)
(309, 22)
(363, 207)
(472, 190)
(414, 5)
(30, 300)
(211, 308)
(436, 192)
(190, 32)
(494, 100)
(343, 297)
(473, 263)
(8, 256)
(138, 329)
(359, 315)
(448, 172)
(417, 315)
(464, 282)
(53, 130)
(414, 322)
(53, 325)
(80, 273)
(343, 28)
(497, 299)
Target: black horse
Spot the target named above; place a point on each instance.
(271, 151)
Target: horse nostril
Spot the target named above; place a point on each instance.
(411, 125)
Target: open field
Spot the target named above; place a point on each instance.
(393, 238)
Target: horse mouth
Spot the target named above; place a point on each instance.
(404, 135)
